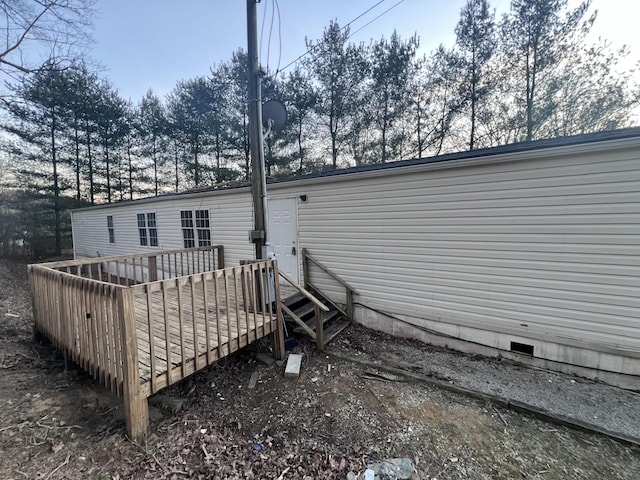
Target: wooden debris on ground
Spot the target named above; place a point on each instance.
(253, 380)
(166, 402)
(265, 358)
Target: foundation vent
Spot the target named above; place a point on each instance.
(522, 348)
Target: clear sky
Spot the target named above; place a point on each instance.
(154, 43)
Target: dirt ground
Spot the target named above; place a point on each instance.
(332, 420)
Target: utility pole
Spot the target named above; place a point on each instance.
(256, 142)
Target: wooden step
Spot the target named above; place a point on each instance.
(305, 309)
(295, 299)
(326, 318)
(334, 329)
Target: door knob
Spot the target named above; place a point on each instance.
(293, 250)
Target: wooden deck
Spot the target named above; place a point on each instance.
(206, 320)
(137, 338)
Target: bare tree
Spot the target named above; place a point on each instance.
(39, 34)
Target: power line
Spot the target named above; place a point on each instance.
(376, 18)
(342, 29)
(264, 16)
(273, 17)
(363, 14)
(279, 36)
(275, 7)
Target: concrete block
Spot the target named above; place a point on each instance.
(294, 362)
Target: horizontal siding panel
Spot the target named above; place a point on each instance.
(365, 228)
(594, 264)
(345, 264)
(401, 219)
(614, 241)
(589, 253)
(478, 209)
(448, 194)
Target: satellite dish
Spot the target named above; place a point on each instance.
(274, 115)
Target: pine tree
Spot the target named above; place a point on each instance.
(476, 43)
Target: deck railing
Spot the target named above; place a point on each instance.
(81, 317)
(146, 267)
(138, 339)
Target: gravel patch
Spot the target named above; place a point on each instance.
(607, 407)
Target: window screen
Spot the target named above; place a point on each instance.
(112, 234)
(196, 232)
(186, 221)
(148, 229)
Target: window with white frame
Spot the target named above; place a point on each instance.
(203, 228)
(110, 229)
(186, 220)
(147, 229)
(198, 232)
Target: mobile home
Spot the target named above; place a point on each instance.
(528, 251)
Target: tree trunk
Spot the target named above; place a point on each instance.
(474, 81)
(130, 167)
(77, 166)
(176, 163)
(300, 149)
(155, 167)
(90, 160)
(56, 185)
(196, 168)
(106, 161)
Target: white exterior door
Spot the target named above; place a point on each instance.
(282, 234)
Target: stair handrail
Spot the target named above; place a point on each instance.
(350, 290)
(318, 307)
(303, 291)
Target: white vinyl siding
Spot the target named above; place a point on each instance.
(230, 218)
(546, 248)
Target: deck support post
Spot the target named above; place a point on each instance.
(319, 329)
(136, 407)
(349, 304)
(37, 335)
(277, 337)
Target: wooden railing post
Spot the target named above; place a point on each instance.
(136, 408)
(33, 275)
(153, 268)
(350, 304)
(278, 335)
(220, 256)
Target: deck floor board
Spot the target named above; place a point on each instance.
(229, 329)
